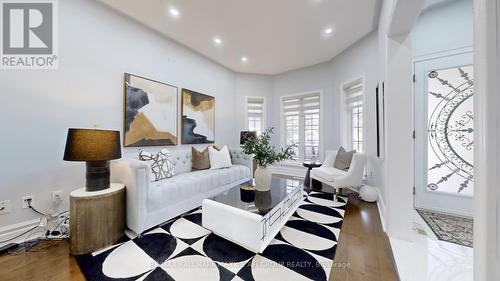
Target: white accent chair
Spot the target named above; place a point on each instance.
(351, 179)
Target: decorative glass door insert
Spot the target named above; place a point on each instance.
(444, 133)
(450, 152)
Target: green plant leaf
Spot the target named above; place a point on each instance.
(265, 154)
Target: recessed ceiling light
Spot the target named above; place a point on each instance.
(327, 32)
(217, 41)
(173, 12)
(244, 59)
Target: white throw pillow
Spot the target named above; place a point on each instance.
(219, 159)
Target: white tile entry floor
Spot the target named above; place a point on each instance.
(425, 258)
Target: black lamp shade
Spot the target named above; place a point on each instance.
(92, 145)
(247, 135)
(96, 147)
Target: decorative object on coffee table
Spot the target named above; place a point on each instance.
(247, 193)
(263, 201)
(264, 155)
(97, 219)
(96, 147)
(309, 165)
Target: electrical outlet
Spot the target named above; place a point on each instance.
(25, 200)
(5, 207)
(57, 196)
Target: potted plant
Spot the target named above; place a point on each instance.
(264, 155)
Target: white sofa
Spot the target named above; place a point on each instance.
(152, 203)
(352, 179)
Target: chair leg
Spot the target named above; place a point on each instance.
(335, 199)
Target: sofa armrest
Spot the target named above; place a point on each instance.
(135, 174)
(240, 158)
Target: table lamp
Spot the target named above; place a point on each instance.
(96, 148)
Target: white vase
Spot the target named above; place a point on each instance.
(262, 179)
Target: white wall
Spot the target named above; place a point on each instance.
(317, 77)
(360, 60)
(443, 28)
(487, 134)
(251, 85)
(96, 47)
(395, 55)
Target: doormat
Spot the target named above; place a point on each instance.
(449, 228)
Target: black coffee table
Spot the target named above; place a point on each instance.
(307, 179)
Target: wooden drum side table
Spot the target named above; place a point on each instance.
(97, 219)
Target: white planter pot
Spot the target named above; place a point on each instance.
(262, 179)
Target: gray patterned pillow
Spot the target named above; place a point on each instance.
(162, 166)
(343, 159)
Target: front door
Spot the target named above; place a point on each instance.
(444, 134)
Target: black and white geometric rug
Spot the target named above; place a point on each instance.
(182, 249)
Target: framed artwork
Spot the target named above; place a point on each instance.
(198, 117)
(377, 112)
(150, 112)
(379, 103)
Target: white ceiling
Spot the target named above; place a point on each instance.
(275, 35)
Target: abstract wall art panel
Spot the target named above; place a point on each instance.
(198, 118)
(150, 112)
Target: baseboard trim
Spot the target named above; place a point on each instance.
(381, 209)
(10, 231)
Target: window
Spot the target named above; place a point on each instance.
(255, 114)
(353, 103)
(357, 127)
(301, 115)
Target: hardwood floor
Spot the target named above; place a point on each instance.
(50, 261)
(363, 248)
